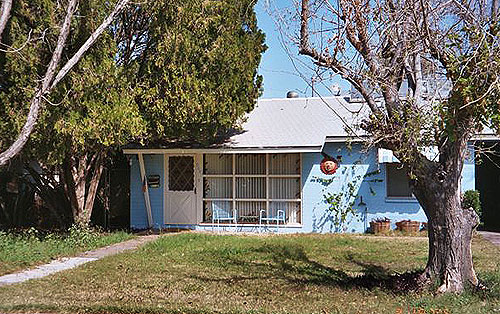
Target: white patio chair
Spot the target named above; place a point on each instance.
(266, 218)
(223, 214)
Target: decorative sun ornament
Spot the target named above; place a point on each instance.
(329, 165)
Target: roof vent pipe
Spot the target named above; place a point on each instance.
(292, 94)
(336, 91)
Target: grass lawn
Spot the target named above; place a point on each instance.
(203, 273)
(21, 250)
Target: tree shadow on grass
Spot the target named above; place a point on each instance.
(292, 264)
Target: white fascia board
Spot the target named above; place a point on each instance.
(249, 150)
(485, 137)
(343, 139)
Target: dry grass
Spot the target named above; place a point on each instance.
(203, 273)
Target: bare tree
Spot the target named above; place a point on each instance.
(52, 77)
(379, 45)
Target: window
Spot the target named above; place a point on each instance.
(398, 184)
(181, 173)
(251, 183)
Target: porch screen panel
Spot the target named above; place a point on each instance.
(248, 212)
(284, 188)
(251, 164)
(291, 209)
(214, 188)
(284, 164)
(218, 164)
(208, 206)
(250, 188)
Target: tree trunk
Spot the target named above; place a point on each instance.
(450, 227)
(92, 189)
(80, 190)
(450, 231)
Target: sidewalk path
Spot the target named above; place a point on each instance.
(493, 237)
(72, 262)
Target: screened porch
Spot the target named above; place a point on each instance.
(249, 187)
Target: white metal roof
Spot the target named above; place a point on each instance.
(297, 122)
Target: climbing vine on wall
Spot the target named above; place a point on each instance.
(341, 205)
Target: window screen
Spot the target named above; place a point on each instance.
(398, 184)
(181, 173)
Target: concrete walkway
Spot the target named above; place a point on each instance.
(72, 262)
(493, 237)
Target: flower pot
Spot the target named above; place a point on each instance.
(408, 226)
(380, 226)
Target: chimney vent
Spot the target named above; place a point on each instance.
(336, 91)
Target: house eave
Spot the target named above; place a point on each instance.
(239, 150)
(485, 137)
(343, 139)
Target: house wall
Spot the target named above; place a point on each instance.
(359, 171)
(153, 165)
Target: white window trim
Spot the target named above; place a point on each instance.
(268, 176)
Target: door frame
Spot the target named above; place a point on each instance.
(198, 187)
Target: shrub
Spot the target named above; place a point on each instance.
(471, 199)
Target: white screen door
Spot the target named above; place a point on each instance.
(181, 190)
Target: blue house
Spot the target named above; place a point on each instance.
(294, 166)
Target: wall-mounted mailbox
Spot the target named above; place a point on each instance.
(154, 181)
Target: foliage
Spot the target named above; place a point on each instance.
(341, 202)
(90, 112)
(196, 73)
(24, 248)
(470, 199)
(379, 219)
(203, 273)
(193, 79)
(95, 109)
(94, 92)
(341, 205)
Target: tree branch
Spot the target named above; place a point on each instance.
(48, 82)
(4, 15)
(435, 50)
(332, 63)
(90, 41)
(28, 127)
(494, 12)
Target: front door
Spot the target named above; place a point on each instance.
(181, 190)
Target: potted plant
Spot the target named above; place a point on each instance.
(408, 225)
(380, 225)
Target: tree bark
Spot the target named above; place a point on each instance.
(92, 188)
(450, 237)
(82, 174)
(4, 15)
(450, 227)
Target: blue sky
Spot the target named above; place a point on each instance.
(284, 71)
